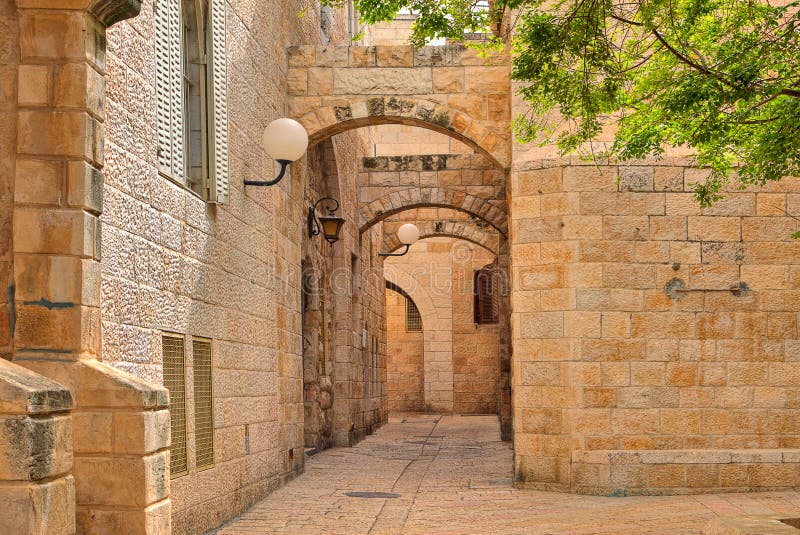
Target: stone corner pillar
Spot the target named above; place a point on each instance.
(37, 490)
(120, 423)
(121, 440)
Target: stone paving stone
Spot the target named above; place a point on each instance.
(453, 475)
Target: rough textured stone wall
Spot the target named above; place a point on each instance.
(354, 386)
(451, 89)
(474, 174)
(374, 355)
(440, 222)
(9, 50)
(231, 272)
(317, 317)
(405, 382)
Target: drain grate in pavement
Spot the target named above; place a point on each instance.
(368, 494)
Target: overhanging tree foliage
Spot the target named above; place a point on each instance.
(719, 76)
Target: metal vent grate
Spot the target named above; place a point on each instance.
(413, 319)
(175, 381)
(203, 404)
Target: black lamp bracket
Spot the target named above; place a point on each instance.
(284, 165)
(397, 254)
(313, 224)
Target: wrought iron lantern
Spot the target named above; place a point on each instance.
(328, 225)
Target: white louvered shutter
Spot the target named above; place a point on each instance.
(176, 89)
(163, 102)
(169, 88)
(218, 102)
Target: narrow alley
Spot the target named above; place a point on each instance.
(452, 474)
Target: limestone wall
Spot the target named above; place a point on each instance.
(627, 334)
(476, 348)
(460, 359)
(9, 50)
(37, 489)
(394, 32)
(405, 382)
(403, 140)
(231, 273)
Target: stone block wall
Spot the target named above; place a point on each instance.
(405, 382)
(54, 298)
(460, 359)
(37, 489)
(120, 439)
(451, 90)
(476, 348)
(8, 118)
(373, 352)
(230, 273)
(691, 471)
(644, 323)
(380, 176)
(403, 140)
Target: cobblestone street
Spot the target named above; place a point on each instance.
(452, 474)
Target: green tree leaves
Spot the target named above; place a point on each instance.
(721, 77)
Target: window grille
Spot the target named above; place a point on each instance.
(485, 296)
(413, 318)
(203, 405)
(175, 381)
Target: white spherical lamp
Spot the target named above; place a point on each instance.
(408, 234)
(285, 140)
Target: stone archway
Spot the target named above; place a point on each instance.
(448, 89)
(449, 229)
(437, 324)
(397, 201)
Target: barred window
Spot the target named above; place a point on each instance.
(485, 296)
(413, 319)
(175, 381)
(203, 405)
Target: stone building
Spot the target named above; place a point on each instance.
(173, 340)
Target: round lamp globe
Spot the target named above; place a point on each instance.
(285, 140)
(408, 234)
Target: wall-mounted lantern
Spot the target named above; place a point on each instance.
(285, 141)
(408, 235)
(329, 225)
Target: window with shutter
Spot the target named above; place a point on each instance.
(485, 295)
(191, 94)
(163, 58)
(218, 111)
(169, 89)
